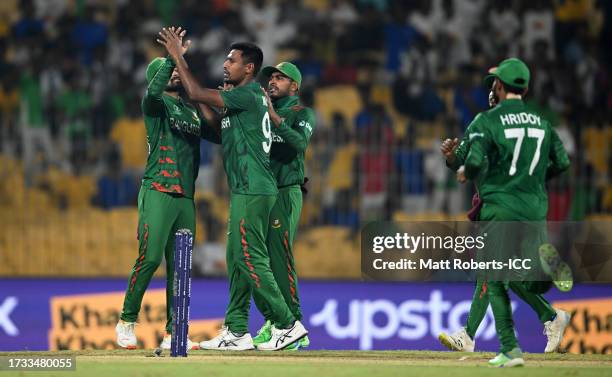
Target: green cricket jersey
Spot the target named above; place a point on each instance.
(512, 150)
(174, 129)
(289, 141)
(247, 139)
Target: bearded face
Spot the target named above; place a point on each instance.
(175, 84)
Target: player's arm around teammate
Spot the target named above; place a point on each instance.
(292, 127)
(247, 139)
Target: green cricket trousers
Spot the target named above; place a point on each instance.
(248, 263)
(160, 215)
(282, 229)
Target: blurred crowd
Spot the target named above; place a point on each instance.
(388, 79)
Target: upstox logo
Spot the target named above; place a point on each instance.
(410, 320)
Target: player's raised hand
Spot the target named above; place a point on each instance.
(268, 100)
(274, 117)
(448, 147)
(180, 32)
(172, 42)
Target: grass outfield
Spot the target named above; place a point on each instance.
(115, 363)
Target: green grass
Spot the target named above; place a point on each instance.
(116, 363)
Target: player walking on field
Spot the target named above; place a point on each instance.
(554, 320)
(165, 200)
(292, 128)
(512, 151)
(246, 138)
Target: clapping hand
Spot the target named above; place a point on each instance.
(172, 39)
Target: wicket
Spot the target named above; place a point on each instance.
(183, 251)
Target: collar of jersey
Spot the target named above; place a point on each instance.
(511, 101)
(286, 102)
(254, 84)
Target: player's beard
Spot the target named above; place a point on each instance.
(278, 94)
(174, 88)
(232, 82)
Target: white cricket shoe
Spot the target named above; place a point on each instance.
(126, 338)
(166, 344)
(554, 330)
(459, 341)
(282, 338)
(227, 341)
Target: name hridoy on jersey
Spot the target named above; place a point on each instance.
(520, 118)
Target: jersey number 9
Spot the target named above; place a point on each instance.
(265, 127)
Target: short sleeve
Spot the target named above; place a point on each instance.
(240, 98)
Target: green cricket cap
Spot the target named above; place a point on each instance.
(287, 69)
(513, 72)
(153, 67)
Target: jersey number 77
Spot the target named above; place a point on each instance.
(519, 135)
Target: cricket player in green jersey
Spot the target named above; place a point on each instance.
(511, 152)
(554, 320)
(292, 128)
(165, 200)
(246, 137)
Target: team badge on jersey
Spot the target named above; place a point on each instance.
(276, 224)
